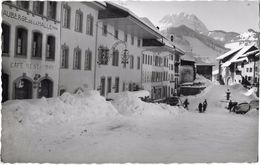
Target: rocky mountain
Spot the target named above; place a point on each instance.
(189, 20)
(202, 47)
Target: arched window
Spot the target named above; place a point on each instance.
(66, 15)
(50, 48)
(78, 21)
(77, 59)
(38, 7)
(5, 38)
(45, 88)
(90, 22)
(115, 57)
(88, 59)
(65, 56)
(23, 88)
(37, 45)
(21, 41)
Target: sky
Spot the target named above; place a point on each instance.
(236, 16)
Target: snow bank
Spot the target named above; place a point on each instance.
(128, 103)
(251, 92)
(202, 79)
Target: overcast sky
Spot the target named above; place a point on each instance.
(237, 16)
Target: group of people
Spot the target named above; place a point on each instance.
(203, 106)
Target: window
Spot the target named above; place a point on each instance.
(104, 29)
(132, 40)
(139, 42)
(251, 69)
(65, 57)
(115, 58)
(242, 65)
(37, 45)
(5, 38)
(123, 86)
(88, 59)
(116, 34)
(247, 69)
(51, 12)
(249, 78)
(23, 4)
(77, 59)
(38, 7)
(103, 55)
(125, 39)
(78, 21)
(102, 86)
(109, 84)
(90, 22)
(117, 85)
(50, 48)
(138, 63)
(131, 62)
(66, 16)
(143, 58)
(21, 41)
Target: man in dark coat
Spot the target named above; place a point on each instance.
(186, 103)
(200, 107)
(205, 104)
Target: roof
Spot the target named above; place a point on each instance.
(254, 52)
(115, 11)
(229, 53)
(237, 55)
(188, 57)
(241, 59)
(199, 62)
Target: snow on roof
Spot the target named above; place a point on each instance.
(237, 55)
(257, 54)
(241, 59)
(229, 53)
(188, 57)
(250, 53)
(214, 72)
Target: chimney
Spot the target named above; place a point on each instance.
(172, 38)
(158, 27)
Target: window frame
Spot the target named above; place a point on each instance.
(37, 49)
(41, 6)
(68, 17)
(78, 60)
(80, 26)
(66, 66)
(5, 36)
(52, 52)
(115, 58)
(88, 63)
(24, 47)
(90, 25)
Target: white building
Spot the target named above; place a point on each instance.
(30, 49)
(78, 45)
(120, 38)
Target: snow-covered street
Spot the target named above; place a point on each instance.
(87, 129)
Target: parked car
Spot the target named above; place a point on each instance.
(241, 108)
(173, 101)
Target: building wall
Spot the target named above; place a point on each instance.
(126, 75)
(206, 71)
(186, 73)
(72, 79)
(27, 67)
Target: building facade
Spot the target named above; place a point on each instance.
(30, 49)
(78, 45)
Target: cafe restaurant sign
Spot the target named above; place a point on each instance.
(28, 20)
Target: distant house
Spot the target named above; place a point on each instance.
(239, 65)
(187, 68)
(204, 69)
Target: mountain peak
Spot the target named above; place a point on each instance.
(183, 18)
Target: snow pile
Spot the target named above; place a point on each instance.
(251, 92)
(202, 79)
(128, 104)
(66, 108)
(252, 113)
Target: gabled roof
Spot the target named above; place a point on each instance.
(188, 57)
(253, 52)
(238, 54)
(229, 53)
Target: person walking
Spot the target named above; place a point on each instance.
(205, 104)
(200, 108)
(186, 103)
(228, 93)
